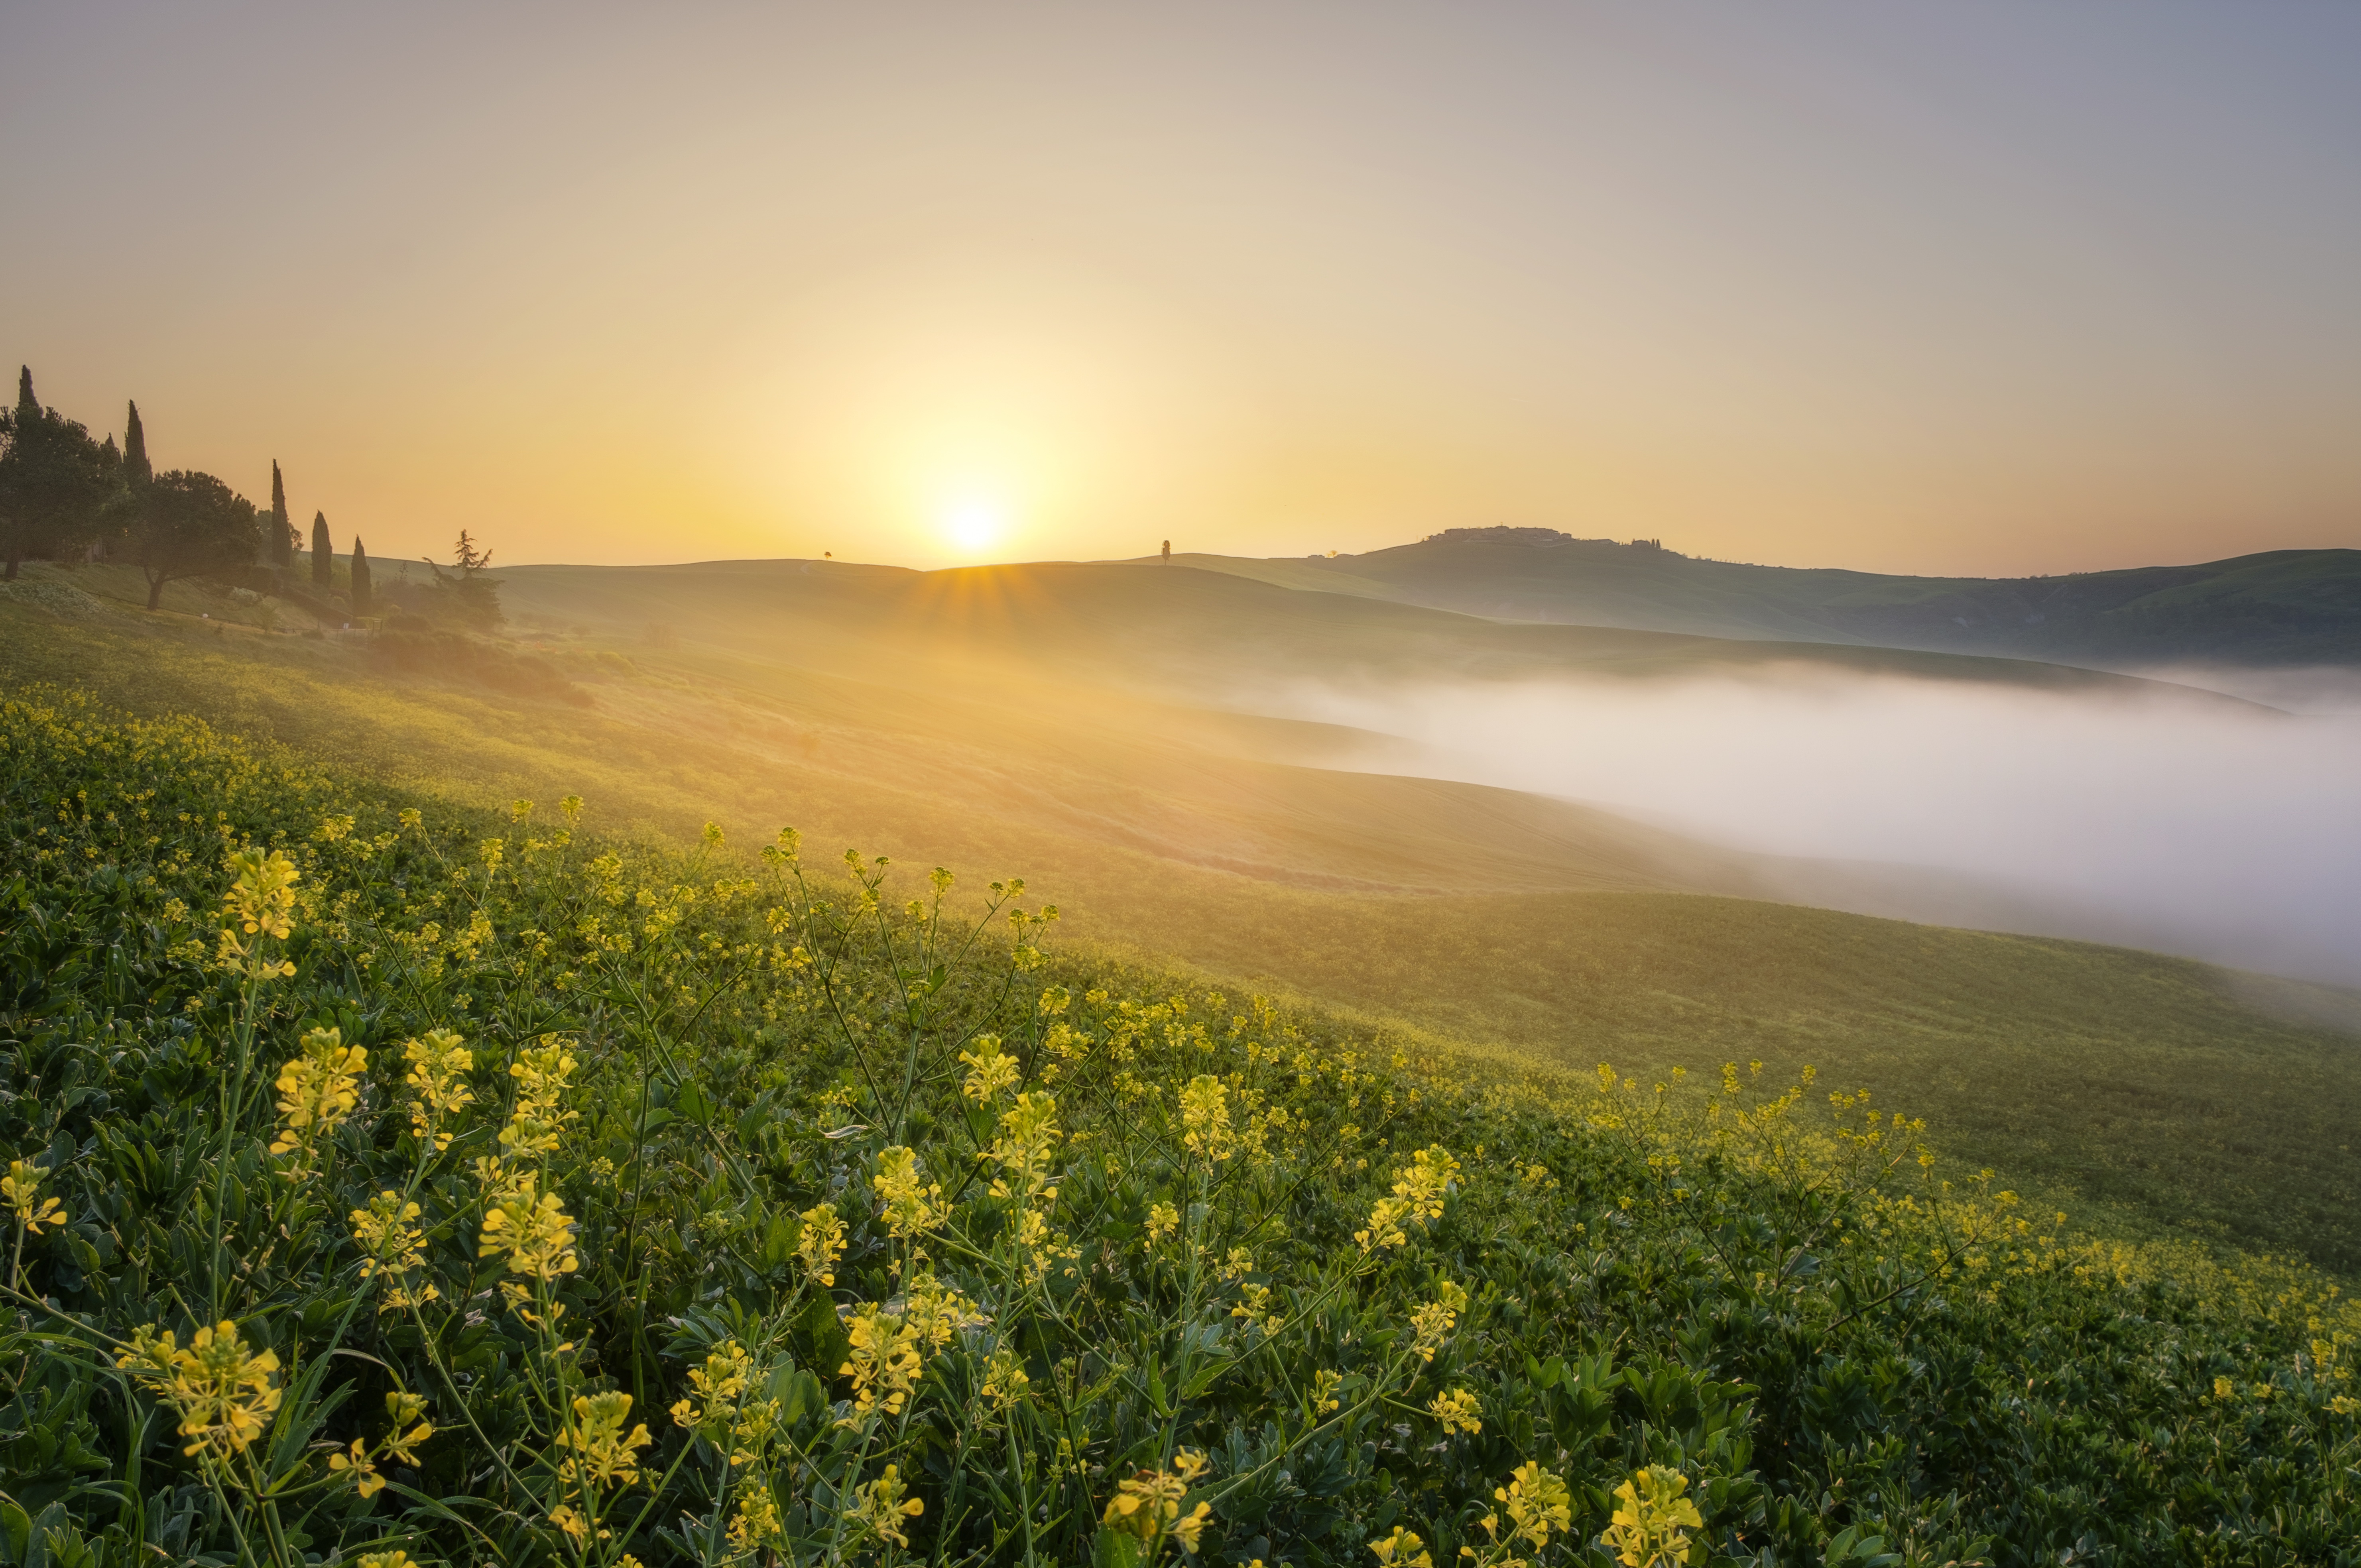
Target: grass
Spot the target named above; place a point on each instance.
(2152, 1094)
(397, 1183)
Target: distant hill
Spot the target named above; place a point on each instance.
(2278, 607)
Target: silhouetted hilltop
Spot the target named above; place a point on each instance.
(2278, 607)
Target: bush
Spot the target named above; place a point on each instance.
(465, 1188)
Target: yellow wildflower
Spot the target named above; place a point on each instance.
(366, 1480)
(881, 1507)
(1148, 1505)
(540, 1074)
(439, 1066)
(22, 1188)
(1459, 1411)
(1432, 1321)
(884, 1362)
(727, 1372)
(990, 1070)
(1005, 1381)
(318, 1091)
(603, 1452)
(221, 1389)
(532, 1230)
(821, 1242)
(1402, 1550)
(387, 1560)
(1651, 1519)
(260, 903)
(1205, 1118)
(1163, 1218)
(903, 1190)
(1029, 1140)
(756, 1523)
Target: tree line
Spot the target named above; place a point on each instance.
(66, 495)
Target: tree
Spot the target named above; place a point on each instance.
(473, 597)
(188, 524)
(56, 483)
(324, 559)
(280, 547)
(137, 471)
(360, 578)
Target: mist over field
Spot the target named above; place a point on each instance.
(2210, 828)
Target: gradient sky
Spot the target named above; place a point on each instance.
(1987, 289)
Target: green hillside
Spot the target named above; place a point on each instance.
(395, 1182)
(2277, 608)
(2149, 1091)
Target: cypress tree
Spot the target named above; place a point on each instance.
(137, 471)
(26, 404)
(361, 579)
(323, 560)
(280, 546)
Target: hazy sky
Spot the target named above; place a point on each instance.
(1990, 288)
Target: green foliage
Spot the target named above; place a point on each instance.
(513, 1196)
(187, 524)
(57, 483)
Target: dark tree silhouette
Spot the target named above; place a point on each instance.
(324, 559)
(188, 524)
(137, 471)
(279, 547)
(360, 593)
(57, 483)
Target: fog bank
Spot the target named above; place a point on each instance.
(2174, 821)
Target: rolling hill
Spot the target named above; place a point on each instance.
(1059, 723)
(2277, 608)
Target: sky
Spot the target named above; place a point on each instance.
(1985, 290)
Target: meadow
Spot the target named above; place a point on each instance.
(2150, 1095)
(401, 1181)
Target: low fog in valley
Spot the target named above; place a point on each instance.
(2190, 822)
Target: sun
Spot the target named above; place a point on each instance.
(973, 522)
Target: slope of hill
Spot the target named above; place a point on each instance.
(2158, 1090)
(2277, 608)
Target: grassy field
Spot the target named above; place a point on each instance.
(2154, 1092)
(455, 1185)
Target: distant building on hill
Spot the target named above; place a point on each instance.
(1540, 538)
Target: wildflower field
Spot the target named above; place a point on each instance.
(396, 1182)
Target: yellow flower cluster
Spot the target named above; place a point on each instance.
(530, 1228)
(1651, 1519)
(880, 1506)
(903, 1190)
(439, 1066)
(318, 1093)
(821, 1242)
(603, 1452)
(1418, 1194)
(1028, 1143)
(221, 1391)
(1432, 1321)
(22, 1189)
(1538, 1505)
(391, 1247)
(540, 1074)
(1205, 1126)
(260, 904)
(1147, 1505)
(990, 1070)
(1402, 1549)
(1459, 1411)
